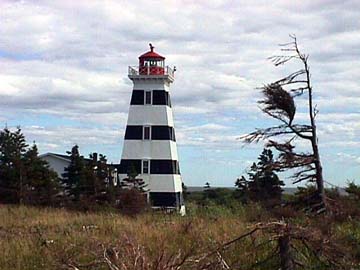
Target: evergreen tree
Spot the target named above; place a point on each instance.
(133, 194)
(353, 190)
(104, 173)
(24, 177)
(263, 184)
(207, 186)
(100, 180)
(76, 175)
(209, 193)
(42, 183)
(94, 185)
(132, 182)
(89, 180)
(12, 148)
(242, 189)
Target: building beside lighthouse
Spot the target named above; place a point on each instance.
(150, 142)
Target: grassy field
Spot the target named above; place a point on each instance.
(46, 238)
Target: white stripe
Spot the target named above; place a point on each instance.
(150, 85)
(142, 149)
(160, 182)
(150, 115)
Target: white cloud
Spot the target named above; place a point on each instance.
(348, 158)
(69, 59)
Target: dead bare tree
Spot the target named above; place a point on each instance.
(265, 245)
(296, 248)
(279, 103)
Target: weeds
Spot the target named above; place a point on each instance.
(46, 238)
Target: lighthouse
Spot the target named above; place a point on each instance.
(149, 141)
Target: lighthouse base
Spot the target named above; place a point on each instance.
(164, 191)
(166, 199)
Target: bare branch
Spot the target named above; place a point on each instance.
(290, 79)
(298, 91)
(288, 125)
(307, 177)
(316, 111)
(278, 103)
(278, 60)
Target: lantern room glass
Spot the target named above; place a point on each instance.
(154, 63)
(152, 67)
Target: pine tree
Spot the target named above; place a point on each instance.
(242, 189)
(263, 184)
(99, 177)
(42, 183)
(24, 177)
(89, 180)
(132, 182)
(75, 176)
(353, 190)
(104, 174)
(12, 148)
(132, 199)
(207, 186)
(209, 193)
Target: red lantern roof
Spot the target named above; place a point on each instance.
(151, 54)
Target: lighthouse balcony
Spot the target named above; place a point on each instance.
(151, 72)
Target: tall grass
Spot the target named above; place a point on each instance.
(46, 238)
(34, 238)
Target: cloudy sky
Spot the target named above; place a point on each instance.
(63, 75)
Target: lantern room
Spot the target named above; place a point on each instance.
(151, 63)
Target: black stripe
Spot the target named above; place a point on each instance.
(133, 132)
(126, 164)
(157, 133)
(164, 166)
(162, 133)
(159, 97)
(157, 166)
(137, 97)
(166, 199)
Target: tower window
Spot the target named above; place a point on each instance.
(146, 133)
(148, 97)
(162, 133)
(145, 166)
(137, 97)
(134, 133)
(161, 97)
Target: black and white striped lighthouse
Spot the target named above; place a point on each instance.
(149, 143)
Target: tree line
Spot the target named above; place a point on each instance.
(261, 184)
(87, 183)
(24, 177)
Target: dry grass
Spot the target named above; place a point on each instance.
(34, 238)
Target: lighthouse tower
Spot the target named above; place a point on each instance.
(150, 143)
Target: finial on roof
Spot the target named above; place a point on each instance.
(151, 47)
